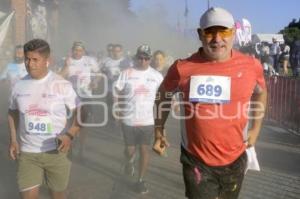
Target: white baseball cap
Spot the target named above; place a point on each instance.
(216, 17)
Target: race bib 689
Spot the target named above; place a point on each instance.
(210, 89)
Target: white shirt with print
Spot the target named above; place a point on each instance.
(113, 67)
(42, 110)
(137, 91)
(80, 73)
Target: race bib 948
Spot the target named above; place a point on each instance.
(210, 89)
(38, 124)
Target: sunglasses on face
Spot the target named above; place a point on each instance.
(222, 32)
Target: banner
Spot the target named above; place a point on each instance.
(239, 39)
(4, 27)
(243, 33)
(247, 31)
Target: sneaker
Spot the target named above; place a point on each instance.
(141, 187)
(129, 169)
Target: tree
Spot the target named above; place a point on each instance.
(291, 33)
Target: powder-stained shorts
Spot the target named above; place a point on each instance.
(52, 168)
(137, 135)
(206, 182)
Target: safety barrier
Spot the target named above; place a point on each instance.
(283, 106)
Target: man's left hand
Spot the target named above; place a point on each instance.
(252, 137)
(65, 143)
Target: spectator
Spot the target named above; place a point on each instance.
(275, 53)
(284, 58)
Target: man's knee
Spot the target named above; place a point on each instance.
(129, 151)
(31, 194)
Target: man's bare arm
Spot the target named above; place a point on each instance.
(162, 109)
(13, 120)
(259, 101)
(66, 139)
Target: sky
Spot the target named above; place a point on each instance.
(265, 16)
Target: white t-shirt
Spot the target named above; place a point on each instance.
(14, 72)
(137, 91)
(112, 69)
(42, 110)
(80, 72)
(275, 49)
(115, 66)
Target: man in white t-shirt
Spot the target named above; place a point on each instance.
(275, 53)
(111, 68)
(135, 89)
(38, 114)
(79, 69)
(109, 50)
(16, 70)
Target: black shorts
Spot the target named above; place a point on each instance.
(206, 182)
(137, 135)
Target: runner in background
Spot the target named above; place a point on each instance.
(136, 88)
(109, 50)
(111, 68)
(79, 69)
(158, 62)
(16, 70)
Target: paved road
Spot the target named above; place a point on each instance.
(99, 175)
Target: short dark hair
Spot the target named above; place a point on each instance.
(37, 45)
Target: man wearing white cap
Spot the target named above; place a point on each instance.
(216, 85)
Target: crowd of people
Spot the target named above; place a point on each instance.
(276, 57)
(46, 127)
(49, 108)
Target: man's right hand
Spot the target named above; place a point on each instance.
(160, 141)
(14, 150)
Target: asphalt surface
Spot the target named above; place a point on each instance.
(99, 174)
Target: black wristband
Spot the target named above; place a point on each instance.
(70, 135)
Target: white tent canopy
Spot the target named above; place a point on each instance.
(257, 38)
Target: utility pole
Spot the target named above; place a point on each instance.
(186, 14)
(208, 4)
